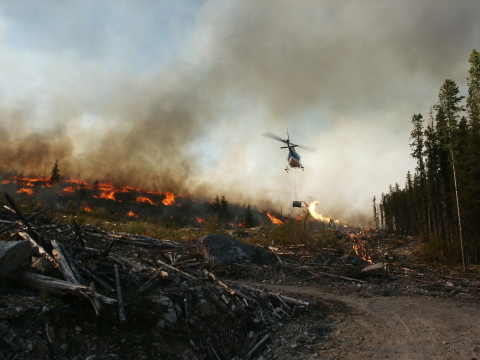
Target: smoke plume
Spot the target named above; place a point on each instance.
(177, 95)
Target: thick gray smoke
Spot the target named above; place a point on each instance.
(176, 95)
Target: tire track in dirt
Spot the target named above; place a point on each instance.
(395, 327)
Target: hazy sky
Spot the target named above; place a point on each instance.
(176, 94)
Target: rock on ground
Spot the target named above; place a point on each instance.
(224, 250)
(13, 254)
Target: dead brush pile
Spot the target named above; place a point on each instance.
(79, 292)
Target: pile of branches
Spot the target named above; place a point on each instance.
(149, 284)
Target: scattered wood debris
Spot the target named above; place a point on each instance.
(109, 268)
(163, 299)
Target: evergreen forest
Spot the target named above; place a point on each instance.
(440, 201)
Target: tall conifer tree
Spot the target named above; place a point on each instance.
(55, 174)
(449, 108)
(473, 151)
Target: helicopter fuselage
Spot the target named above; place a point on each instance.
(293, 158)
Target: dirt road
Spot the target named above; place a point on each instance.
(393, 327)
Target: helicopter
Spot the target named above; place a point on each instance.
(293, 158)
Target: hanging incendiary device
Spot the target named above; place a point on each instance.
(299, 204)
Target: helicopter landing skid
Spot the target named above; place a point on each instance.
(287, 168)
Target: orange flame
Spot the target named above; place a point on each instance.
(132, 214)
(87, 208)
(317, 216)
(145, 200)
(26, 191)
(153, 192)
(68, 190)
(274, 219)
(105, 190)
(106, 187)
(109, 195)
(200, 220)
(126, 189)
(169, 198)
(360, 251)
(28, 181)
(74, 181)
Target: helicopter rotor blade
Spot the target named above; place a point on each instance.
(310, 149)
(274, 137)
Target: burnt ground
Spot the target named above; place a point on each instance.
(314, 302)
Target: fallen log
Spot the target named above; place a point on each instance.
(70, 257)
(17, 211)
(57, 286)
(276, 255)
(40, 248)
(94, 277)
(217, 301)
(38, 237)
(64, 266)
(284, 298)
(149, 284)
(373, 267)
(105, 252)
(7, 222)
(121, 308)
(137, 240)
(290, 300)
(97, 304)
(227, 288)
(256, 347)
(277, 296)
(183, 273)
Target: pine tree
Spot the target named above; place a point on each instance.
(411, 218)
(215, 206)
(449, 108)
(248, 221)
(432, 177)
(221, 208)
(55, 174)
(417, 144)
(473, 151)
(224, 208)
(375, 213)
(473, 82)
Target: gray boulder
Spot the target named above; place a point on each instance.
(224, 250)
(14, 254)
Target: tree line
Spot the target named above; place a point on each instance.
(440, 201)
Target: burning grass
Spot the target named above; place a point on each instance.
(160, 214)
